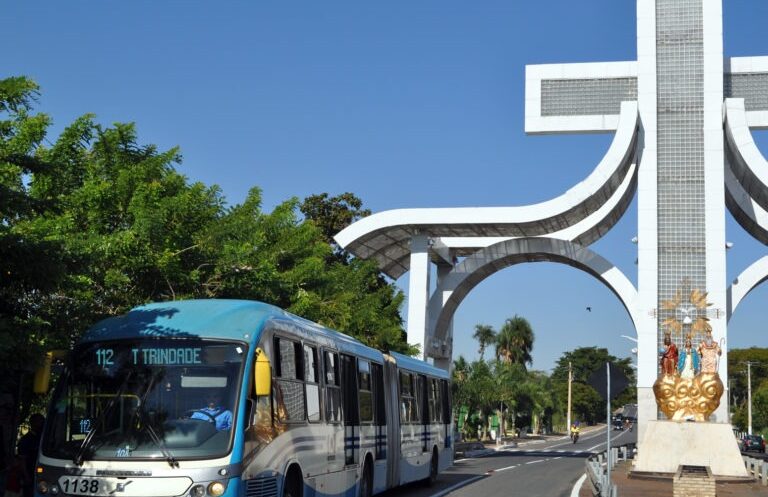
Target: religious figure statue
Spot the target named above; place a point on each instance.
(688, 364)
(669, 356)
(688, 388)
(710, 351)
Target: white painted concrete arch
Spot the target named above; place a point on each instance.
(746, 173)
(455, 286)
(747, 281)
(386, 236)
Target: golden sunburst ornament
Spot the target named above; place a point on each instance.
(687, 308)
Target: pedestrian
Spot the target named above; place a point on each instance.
(27, 453)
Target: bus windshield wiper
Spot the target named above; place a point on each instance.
(79, 457)
(143, 418)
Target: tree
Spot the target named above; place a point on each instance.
(333, 214)
(95, 223)
(760, 407)
(31, 263)
(371, 302)
(485, 335)
(737, 372)
(514, 342)
(509, 379)
(737, 369)
(585, 361)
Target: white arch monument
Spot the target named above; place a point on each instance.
(681, 115)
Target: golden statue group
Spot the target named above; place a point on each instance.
(689, 387)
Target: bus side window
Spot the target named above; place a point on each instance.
(408, 406)
(349, 390)
(333, 413)
(446, 394)
(365, 393)
(290, 387)
(435, 403)
(422, 394)
(312, 378)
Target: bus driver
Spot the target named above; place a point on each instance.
(214, 412)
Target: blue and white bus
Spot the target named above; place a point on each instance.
(210, 398)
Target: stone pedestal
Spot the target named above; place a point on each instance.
(666, 445)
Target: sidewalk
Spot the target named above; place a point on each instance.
(477, 449)
(636, 487)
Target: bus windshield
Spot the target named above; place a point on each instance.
(147, 399)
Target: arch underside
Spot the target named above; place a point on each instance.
(584, 213)
(476, 268)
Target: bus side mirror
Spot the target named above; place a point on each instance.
(262, 374)
(42, 379)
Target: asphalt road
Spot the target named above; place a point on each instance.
(542, 469)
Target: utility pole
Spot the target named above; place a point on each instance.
(568, 416)
(749, 397)
(608, 424)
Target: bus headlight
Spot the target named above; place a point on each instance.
(216, 488)
(197, 491)
(54, 489)
(42, 486)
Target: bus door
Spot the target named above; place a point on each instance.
(423, 390)
(351, 413)
(333, 411)
(445, 399)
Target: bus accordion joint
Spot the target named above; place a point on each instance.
(262, 374)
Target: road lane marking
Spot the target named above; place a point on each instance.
(508, 467)
(577, 486)
(457, 486)
(612, 439)
(534, 462)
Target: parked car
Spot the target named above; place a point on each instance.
(753, 442)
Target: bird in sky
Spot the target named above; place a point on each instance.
(589, 309)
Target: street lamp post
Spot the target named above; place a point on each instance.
(568, 416)
(749, 397)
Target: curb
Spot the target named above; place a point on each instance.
(479, 453)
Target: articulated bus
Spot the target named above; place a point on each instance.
(212, 398)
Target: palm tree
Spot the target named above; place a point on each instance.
(485, 335)
(514, 341)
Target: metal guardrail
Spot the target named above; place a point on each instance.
(598, 464)
(758, 468)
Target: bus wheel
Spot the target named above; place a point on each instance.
(366, 481)
(294, 484)
(432, 469)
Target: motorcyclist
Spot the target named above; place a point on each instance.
(575, 431)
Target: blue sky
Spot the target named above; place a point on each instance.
(406, 104)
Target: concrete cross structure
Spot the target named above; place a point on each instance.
(681, 115)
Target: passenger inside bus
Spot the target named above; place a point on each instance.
(214, 412)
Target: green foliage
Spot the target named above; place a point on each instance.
(30, 262)
(737, 376)
(96, 223)
(362, 302)
(333, 214)
(585, 361)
